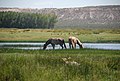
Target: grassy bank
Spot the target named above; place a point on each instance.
(38, 35)
(50, 65)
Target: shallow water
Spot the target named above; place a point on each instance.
(35, 46)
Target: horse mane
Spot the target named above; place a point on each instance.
(48, 41)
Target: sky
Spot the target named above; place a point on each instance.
(55, 3)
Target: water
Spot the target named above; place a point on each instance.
(36, 46)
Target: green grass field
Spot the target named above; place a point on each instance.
(38, 35)
(59, 65)
(48, 65)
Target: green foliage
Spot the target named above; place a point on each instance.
(26, 20)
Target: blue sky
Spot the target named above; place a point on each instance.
(55, 3)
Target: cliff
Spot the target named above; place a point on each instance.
(84, 17)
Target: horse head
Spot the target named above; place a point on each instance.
(44, 46)
(81, 46)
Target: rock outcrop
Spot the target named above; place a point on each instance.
(89, 17)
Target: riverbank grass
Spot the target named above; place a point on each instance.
(59, 65)
(38, 35)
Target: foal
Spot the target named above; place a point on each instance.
(53, 42)
(73, 41)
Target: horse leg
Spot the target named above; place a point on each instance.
(53, 45)
(61, 46)
(70, 45)
(73, 45)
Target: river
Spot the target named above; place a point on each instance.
(36, 46)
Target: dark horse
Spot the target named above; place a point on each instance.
(73, 41)
(55, 41)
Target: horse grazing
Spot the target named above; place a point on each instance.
(53, 42)
(73, 41)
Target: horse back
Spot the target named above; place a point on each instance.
(57, 40)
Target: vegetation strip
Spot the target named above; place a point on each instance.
(42, 35)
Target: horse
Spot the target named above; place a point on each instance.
(53, 42)
(73, 41)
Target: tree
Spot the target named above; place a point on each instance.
(26, 20)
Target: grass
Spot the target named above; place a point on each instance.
(59, 65)
(48, 65)
(38, 35)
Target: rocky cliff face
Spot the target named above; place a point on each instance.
(96, 16)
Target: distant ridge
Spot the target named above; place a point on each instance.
(80, 17)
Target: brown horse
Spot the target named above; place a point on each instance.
(55, 41)
(73, 41)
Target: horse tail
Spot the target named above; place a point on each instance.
(64, 44)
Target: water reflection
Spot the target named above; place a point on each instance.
(36, 46)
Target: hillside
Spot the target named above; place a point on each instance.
(83, 17)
